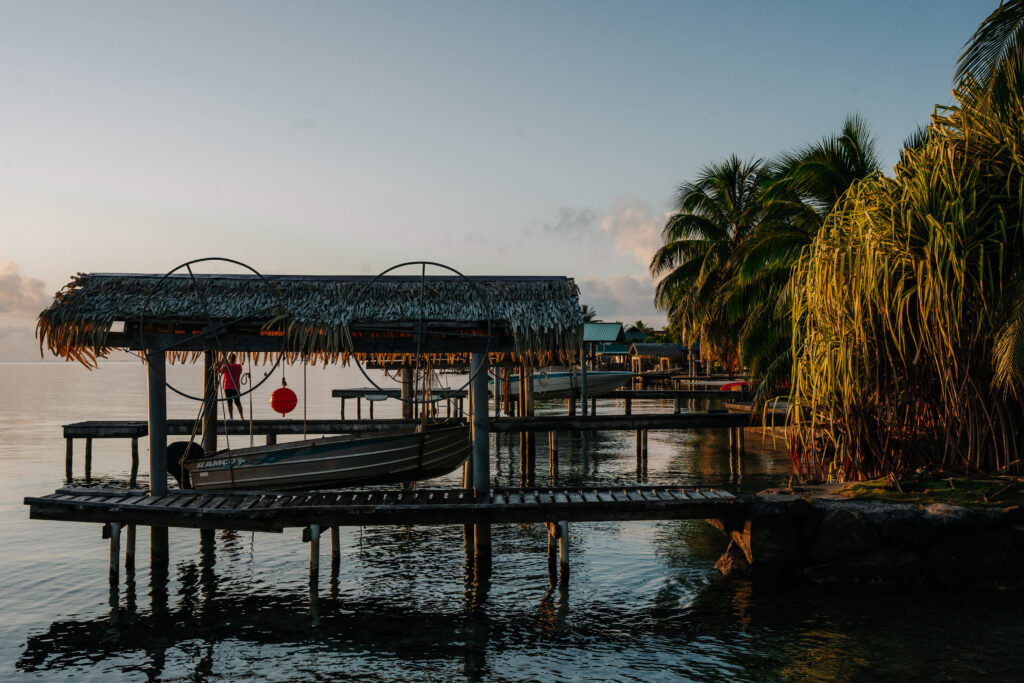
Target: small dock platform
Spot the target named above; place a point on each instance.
(453, 398)
(262, 511)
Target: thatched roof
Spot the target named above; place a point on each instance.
(316, 314)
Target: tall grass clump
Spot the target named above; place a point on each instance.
(908, 307)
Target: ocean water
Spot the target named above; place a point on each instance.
(643, 601)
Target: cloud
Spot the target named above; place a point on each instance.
(18, 343)
(569, 221)
(20, 295)
(626, 298)
(636, 229)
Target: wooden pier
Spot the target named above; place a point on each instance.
(262, 511)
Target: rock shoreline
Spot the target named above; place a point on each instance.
(826, 539)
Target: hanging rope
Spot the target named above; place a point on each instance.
(304, 398)
(247, 379)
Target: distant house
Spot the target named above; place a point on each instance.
(644, 357)
(599, 338)
(611, 356)
(634, 334)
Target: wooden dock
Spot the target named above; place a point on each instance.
(261, 511)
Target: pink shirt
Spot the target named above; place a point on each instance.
(232, 376)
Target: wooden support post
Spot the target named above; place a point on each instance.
(629, 406)
(158, 552)
(207, 540)
(639, 452)
(271, 437)
(88, 458)
(335, 550)
(552, 553)
(739, 439)
(69, 456)
(572, 406)
(314, 553)
(563, 552)
(342, 408)
(359, 408)
(593, 405)
(371, 408)
(129, 550)
(407, 393)
(209, 412)
(156, 368)
(482, 546)
(479, 421)
(135, 468)
(678, 405)
(481, 470)
(645, 449)
(552, 456)
(157, 423)
(115, 554)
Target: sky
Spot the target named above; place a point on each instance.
(514, 138)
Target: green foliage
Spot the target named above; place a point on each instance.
(900, 301)
(703, 250)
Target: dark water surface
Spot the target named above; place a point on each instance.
(643, 600)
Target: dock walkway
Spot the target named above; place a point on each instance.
(261, 511)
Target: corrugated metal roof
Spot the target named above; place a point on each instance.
(602, 332)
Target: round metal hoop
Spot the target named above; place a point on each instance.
(188, 266)
(423, 265)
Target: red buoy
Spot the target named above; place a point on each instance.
(283, 400)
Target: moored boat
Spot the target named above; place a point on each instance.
(347, 460)
(566, 383)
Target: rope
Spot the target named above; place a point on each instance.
(247, 379)
(304, 399)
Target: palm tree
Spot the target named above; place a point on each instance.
(704, 240)
(807, 185)
(994, 56)
(589, 314)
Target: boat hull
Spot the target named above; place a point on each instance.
(563, 384)
(336, 461)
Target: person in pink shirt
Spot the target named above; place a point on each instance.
(232, 373)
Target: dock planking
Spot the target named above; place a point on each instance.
(274, 512)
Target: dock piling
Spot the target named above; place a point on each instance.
(88, 459)
(129, 550)
(69, 456)
(314, 553)
(481, 465)
(553, 457)
(115, 554)
(135, 464)
(563, 552)
(552, 553)
(335, 550)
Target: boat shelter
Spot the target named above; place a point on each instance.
(188, 317)
(596, 336)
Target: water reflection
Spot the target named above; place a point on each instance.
(642, 602)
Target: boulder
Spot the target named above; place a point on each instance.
(733, 562)
(842, 532)
(768, 535)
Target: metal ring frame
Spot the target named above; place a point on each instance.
(213, 329)
(420, 329)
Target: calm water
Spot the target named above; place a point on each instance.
(643, 600)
